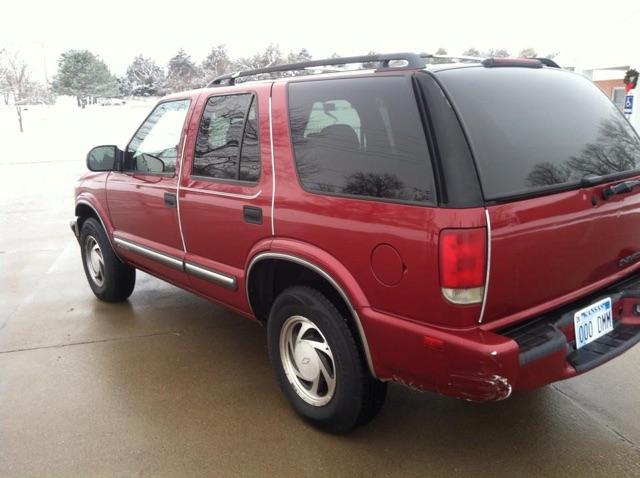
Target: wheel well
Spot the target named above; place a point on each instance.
(84, 212)
(269, 277)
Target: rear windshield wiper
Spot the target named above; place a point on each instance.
(592, 179)
(620, 188)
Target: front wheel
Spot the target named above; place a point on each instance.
(109, 278)
(318, 364)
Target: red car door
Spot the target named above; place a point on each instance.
(225, 190)
(142, 196)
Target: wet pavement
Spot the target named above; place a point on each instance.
(167, 384)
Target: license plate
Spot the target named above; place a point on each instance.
(593, 322)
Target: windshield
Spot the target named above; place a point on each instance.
(538, 129)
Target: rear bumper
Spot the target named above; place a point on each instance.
(480, 365)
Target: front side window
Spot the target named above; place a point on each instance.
(154, 148)
(360, 137)
(227, 145)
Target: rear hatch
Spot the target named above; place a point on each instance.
(549, 146)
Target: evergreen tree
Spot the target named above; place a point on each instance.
(270, 57)
(82, 74)
(471, 52)
(299, 57)
(217, 62)
(144, 78)
(183, 73)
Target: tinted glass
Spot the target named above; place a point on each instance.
(360, 137)
(250, 156)
(538, 129)
(154, 148)
(219, 137)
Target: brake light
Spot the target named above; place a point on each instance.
(463, 261)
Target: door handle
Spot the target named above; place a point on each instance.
(170, 199)
(252, 214)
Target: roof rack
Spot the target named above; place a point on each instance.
(548, 62)
(475, 59)
(413, 60)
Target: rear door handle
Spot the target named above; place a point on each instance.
(170, 199)
(252, 214)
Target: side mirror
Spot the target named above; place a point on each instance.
(103, 158)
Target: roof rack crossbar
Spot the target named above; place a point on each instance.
(453, 57)
(413, 60)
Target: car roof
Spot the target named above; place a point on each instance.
(335, 73)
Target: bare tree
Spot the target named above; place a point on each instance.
(497, 53)
(528, 53)
(4, 73)
(17, 81)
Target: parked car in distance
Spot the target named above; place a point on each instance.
(470, 228)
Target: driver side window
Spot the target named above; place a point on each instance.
(154, 148)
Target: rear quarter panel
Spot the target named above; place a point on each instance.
(350, 229)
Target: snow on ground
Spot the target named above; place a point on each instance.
(41, 166)
(59, 136)
(65, 128)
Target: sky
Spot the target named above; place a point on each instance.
(586, 34)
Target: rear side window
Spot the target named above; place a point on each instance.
(360, 137)
(533, 130)
(227, 145)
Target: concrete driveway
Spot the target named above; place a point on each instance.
(170, 385)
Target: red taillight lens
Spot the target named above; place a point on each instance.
(463, 255)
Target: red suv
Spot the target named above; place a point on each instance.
(471, 228)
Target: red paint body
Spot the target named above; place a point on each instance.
(545, 253)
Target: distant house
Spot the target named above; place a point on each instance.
(609, 79)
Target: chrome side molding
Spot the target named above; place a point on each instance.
(160, 257)
(215, 277)
(224, 280)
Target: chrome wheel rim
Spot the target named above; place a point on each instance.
(307, 360)
(94, 260)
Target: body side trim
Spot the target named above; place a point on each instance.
(165, 259)
(273, 166)
(331, 280)
(222, 193)
(219, 278)
(486, 281)
(184, 144)
(224, 280)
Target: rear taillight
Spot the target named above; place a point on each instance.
(463, 261)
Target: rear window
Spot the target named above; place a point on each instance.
(536, 130)
(360, 137)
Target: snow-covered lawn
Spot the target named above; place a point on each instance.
(61, 134)
(41, 165)
(61, 131)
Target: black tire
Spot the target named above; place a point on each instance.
(117, 279)
(357, 396)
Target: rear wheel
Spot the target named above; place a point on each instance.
(109, 278)
(318, 364)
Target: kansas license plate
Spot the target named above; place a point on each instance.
(593, 322)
